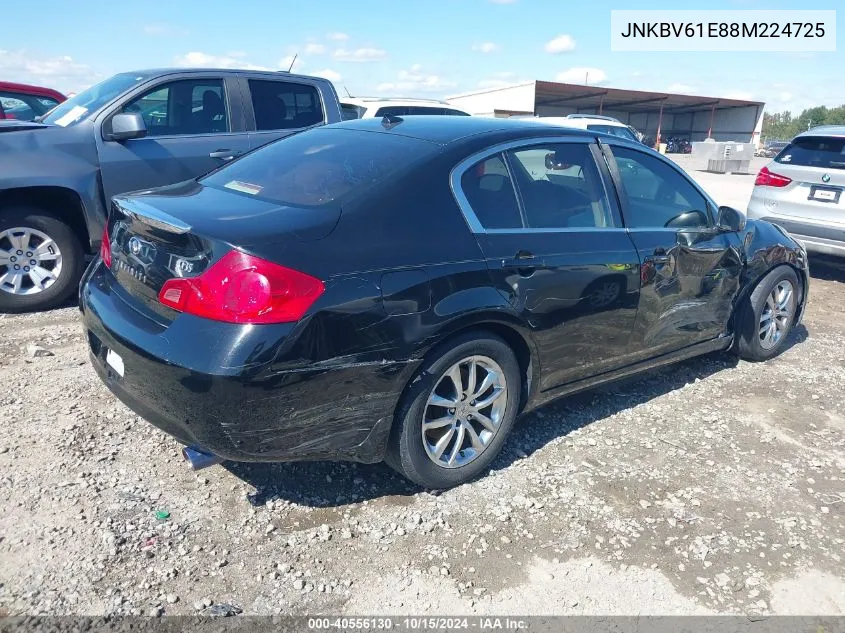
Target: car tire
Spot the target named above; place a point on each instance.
(768, 315)
(54, 246)
(412, 450)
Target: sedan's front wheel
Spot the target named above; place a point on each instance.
(769, 314)
(456, 413)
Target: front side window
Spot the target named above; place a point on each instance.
(814, 151)
(195, 106)
(561, 187)
(284, 105)
(658, 195)
(488, 189)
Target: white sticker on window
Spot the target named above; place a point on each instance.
(75, 113)
(243, 187)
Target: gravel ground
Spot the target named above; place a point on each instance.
(713, 486)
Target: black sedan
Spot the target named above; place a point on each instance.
(403, 289)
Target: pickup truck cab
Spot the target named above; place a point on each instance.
(132, 132)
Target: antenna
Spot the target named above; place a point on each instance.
(293, 61)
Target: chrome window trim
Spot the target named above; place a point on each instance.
(461, 168)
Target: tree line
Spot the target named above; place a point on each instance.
(782, 126)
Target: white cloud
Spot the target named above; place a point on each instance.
(502, 1)
(337, 37)
(364, 54)
(785, 96)
(293, 63)
(486, 47)
(415, 79)
(680, 88)
(198, 59)
(582, 75)
(314, 48)
(327, 73)
(61, 72)
(561, 44)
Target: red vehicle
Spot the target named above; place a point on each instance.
(23, 103)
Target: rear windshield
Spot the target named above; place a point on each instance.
(824, 152)
(616, 130)
(320, 166)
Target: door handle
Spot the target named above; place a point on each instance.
(522, 258)
(524, 261)
(659, 259)
(225, 154)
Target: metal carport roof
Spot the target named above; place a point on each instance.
(552, 93)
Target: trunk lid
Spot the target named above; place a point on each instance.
(181, 230)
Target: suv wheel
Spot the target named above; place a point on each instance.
(456, 413)
(769, 314)
(41, 260)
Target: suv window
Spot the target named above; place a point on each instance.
(615, 130)
(488, 188)
(323, 166)
(814, 151)
(658, 195)
(561, 187)
(193, 106)
(283, 105)
(351, 111)
(411, 110)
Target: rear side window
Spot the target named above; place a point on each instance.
(488, 189)
(561, 187)
(814, 151)
(284, 105)
(13, 107)
(320, 166)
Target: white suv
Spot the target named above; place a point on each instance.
(371, 107)
(593, 122)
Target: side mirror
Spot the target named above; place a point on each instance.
(730, 220)
(127, 125)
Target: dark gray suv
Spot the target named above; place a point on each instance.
(134, 131)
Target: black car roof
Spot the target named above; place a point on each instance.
(444, 129)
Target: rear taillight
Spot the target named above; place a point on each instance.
(241, 288)
(768, 178)
(105, 246)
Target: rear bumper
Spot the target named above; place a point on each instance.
(822, 238)
(248, 412)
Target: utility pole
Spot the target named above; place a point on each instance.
(587, 79)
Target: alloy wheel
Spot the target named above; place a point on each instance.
(464, 411)
(30, 261)
(776, 314)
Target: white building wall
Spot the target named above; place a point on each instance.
(517, 98)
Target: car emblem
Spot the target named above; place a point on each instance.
(135, 246)
(826, 178)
